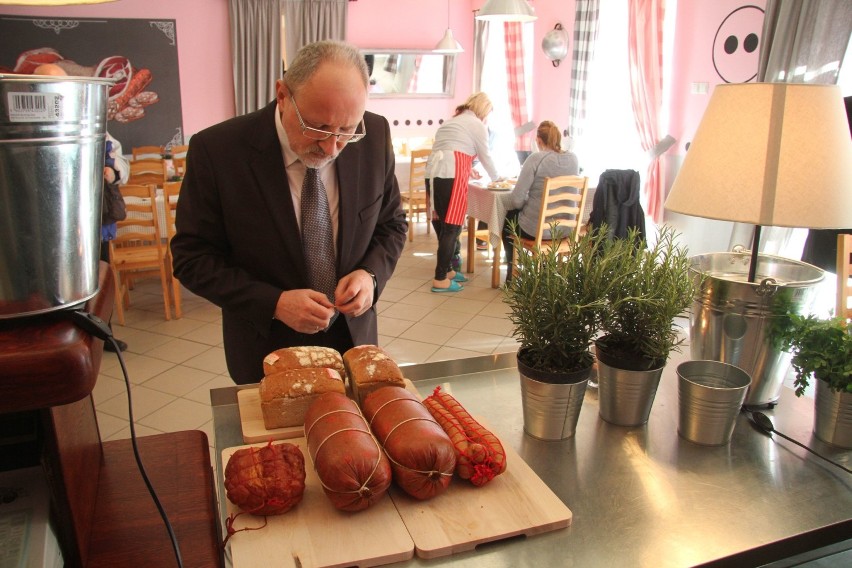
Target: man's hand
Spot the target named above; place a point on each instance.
(354, 294)
(306, 311)
(109, 174)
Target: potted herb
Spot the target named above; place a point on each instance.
(822, 348)
(652, 286)
(556, 300)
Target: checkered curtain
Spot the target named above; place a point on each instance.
(645, 51)
(515, 75)
(412, 84)
(585, 36)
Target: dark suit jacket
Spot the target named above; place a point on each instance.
(238, 242)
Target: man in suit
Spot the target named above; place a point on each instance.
(239, 239)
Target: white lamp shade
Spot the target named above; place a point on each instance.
(772, 154)
(506, 11)
(448, 44)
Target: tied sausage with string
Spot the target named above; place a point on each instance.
(480, 455)
(421, 454)
(349, 462)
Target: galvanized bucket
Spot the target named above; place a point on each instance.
(52, 132)
(732, 319)
(551, 410)
(710, 395)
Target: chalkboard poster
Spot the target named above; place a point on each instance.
(144, 106)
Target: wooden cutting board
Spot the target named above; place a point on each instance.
(315, 534)
(251, 418)
(513, 503)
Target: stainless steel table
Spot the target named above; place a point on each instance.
(644, 496)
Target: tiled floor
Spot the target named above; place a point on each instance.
(172, 365)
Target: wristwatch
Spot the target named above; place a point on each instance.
(375, 283)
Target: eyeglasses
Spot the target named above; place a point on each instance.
(317, 134)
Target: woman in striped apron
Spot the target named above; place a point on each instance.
(457, 142)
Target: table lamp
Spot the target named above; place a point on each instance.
(775, 154)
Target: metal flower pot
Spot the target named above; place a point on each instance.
(551, 405)
(833, 416)
(626, 396)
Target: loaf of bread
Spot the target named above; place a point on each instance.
(286, 395)
(369, 368)
(311, 357)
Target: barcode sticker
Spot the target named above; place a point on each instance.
(35, 107)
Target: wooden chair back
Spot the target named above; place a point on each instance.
(147, 153)
(138, 248)
(844, 274)
(147, 171)
(179, 151)
(416, 200)
(171, 194)
(563, 199)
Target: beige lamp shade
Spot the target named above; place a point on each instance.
(772, 154)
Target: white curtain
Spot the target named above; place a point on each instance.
(256, 52)
(307, 21)
(804, 41)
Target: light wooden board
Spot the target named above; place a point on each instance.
(251, 418)
(513, 503)
(315, 534)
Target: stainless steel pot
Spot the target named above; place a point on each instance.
(732, 319)
(52, 132)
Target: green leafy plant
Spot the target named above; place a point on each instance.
(651, 287)
(821, 348)
(556, 299)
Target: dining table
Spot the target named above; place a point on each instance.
(487, 203)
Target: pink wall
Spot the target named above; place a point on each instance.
(206, 80)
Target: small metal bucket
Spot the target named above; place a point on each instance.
(710, 395)
(52, 132)
(732, 319)
(551, 410)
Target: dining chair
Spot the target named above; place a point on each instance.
(147, 171)
(180, 166)
(137, 249)
(147, 152)
(844, 273)
(179, 151)
(416, 200)
(171, 193)
(562, 201)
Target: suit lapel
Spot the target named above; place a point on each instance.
(267, 166)
(348, 173)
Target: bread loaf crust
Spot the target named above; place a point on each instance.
(370, 368)
(305, 357)
(286, 395)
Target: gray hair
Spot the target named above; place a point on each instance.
(309, 58)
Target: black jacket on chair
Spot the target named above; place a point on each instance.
(616, 203)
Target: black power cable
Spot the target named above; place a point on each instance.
(763, 423)
(100, 329)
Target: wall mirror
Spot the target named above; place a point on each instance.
(410, 73)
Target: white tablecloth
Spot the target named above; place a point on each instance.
(402, 169)
(490, 206)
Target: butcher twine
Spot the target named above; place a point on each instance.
(429, 474)
(364, 491)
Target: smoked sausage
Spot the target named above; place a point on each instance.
(348, 460)
(421, 454)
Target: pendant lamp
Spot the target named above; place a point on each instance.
(506, 11)
(448, 43)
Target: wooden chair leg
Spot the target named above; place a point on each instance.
(165, 285)
(119, 297)
(176, 296)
